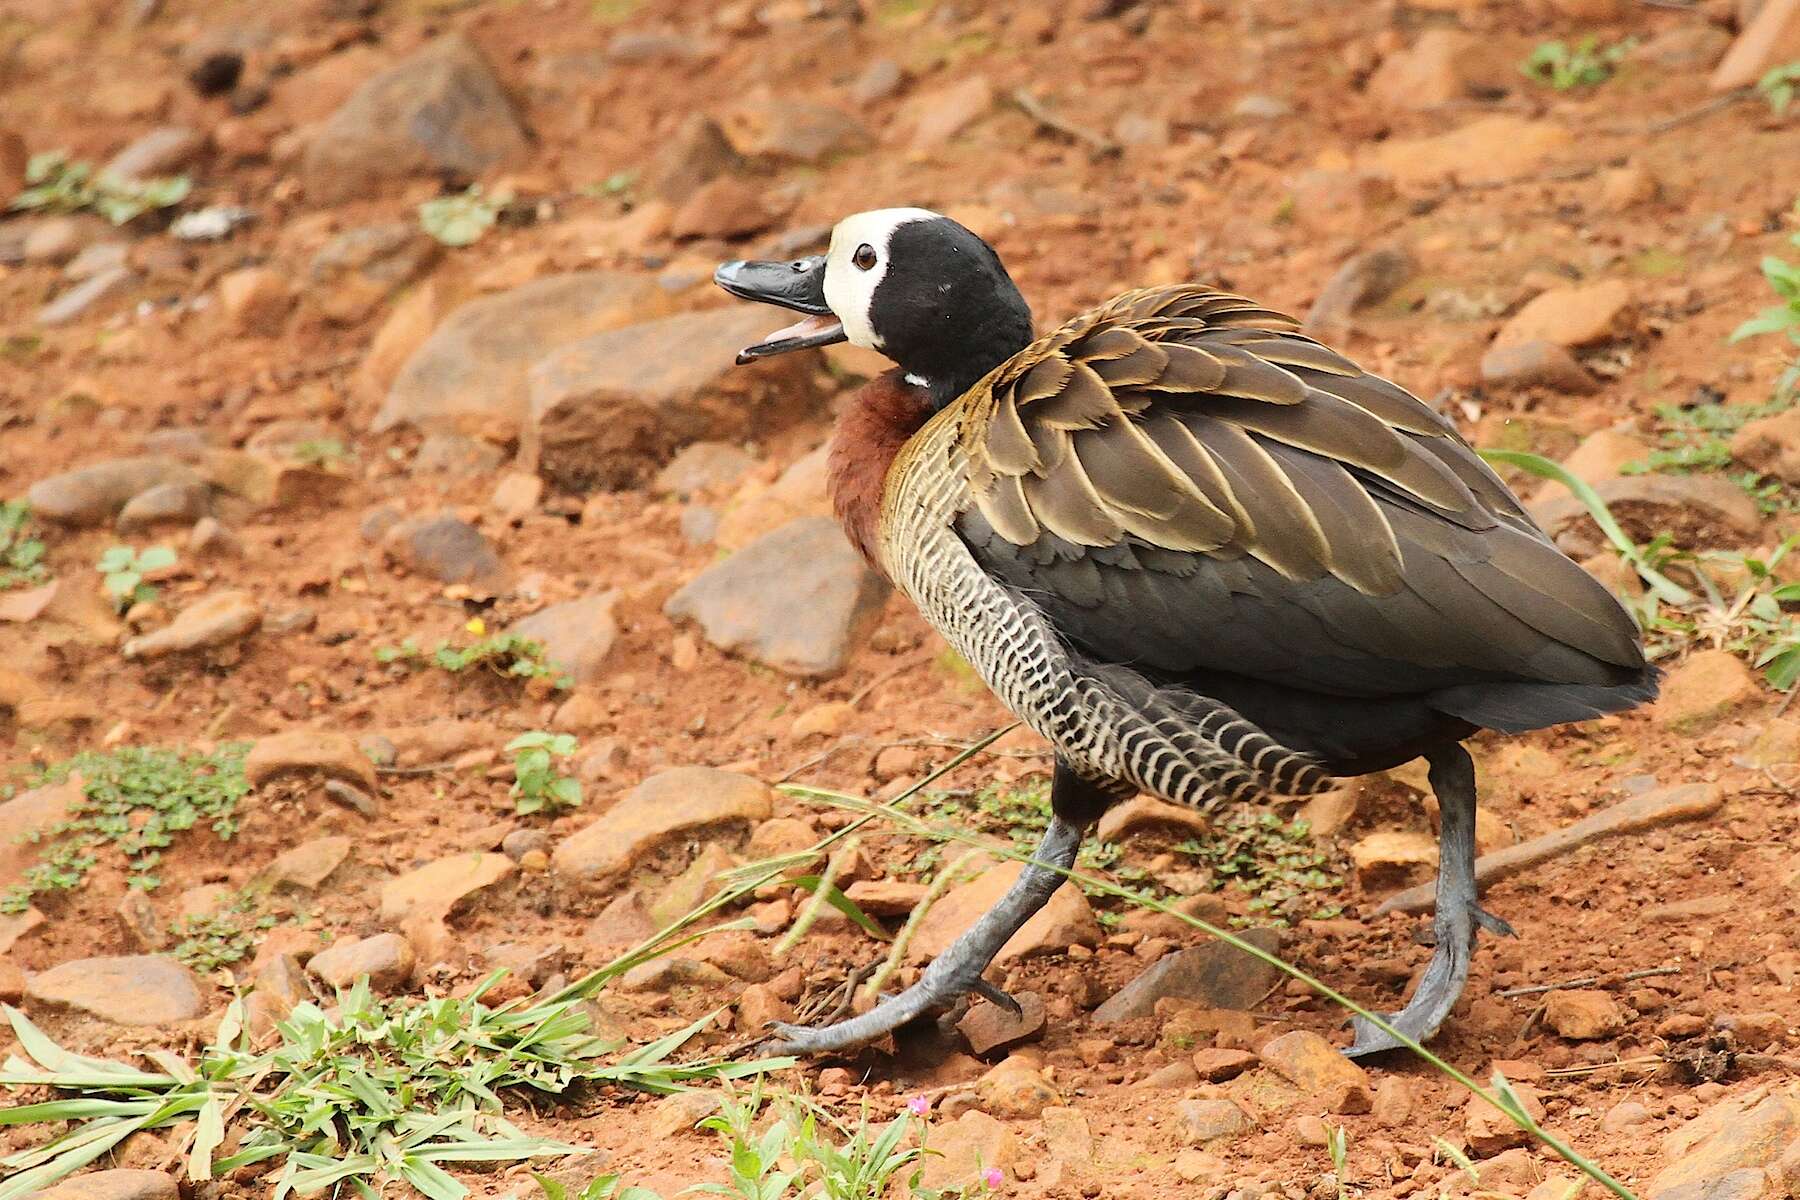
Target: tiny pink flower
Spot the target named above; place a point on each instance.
(918, 1106)
(993, 1177)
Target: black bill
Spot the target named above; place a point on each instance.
(798, 285)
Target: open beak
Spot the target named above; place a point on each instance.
(798, 285)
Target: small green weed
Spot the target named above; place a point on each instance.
(1736, 603)
(537, 783)
(21, 550)
(461, 220)
(320, 452)
(601, 1187)
(1697, 439)
(366, 1093)
(1586, 64)
(218, 939)
(1337, 1146)
(1783, 318)
(1274, 861)
(1777, 86)
(133, 803)
(123, 569)
(57, 184)
(504, 654)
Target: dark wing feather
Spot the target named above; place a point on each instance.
(1188, 485)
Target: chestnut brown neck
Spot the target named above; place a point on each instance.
(876, 422)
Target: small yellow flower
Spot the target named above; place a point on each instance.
(476, 626)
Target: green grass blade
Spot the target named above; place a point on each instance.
(1665, 588)
(845, 905)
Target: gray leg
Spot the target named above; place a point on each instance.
(957, 971)
(1458, 915)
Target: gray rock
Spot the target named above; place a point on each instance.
(469, 376)
(210, 224)
(77, 300)
(214, 620)
(577, 636)
(165, 503)
(1258, 107)
(445, 548)
(309, 864)
(121, 1184)
(359, 268)
(91, 495)
(699, 524)
(440, 111)
(703, 467)
(696, 154)
(656, 48)
(1215, 974)
(797, 599)
(97, 259)
(54, 240)
(1365, 279)
(1210, 1120)
(135, 989)
(683, 802)
(792, 131)
(165, 150)
(387, 959)
(604, 409)
(879, 80)
(1538, 363)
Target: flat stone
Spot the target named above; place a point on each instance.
(965, 1148)
(1538, 363)
(1703, 689)
(1738, 1134)
(1146, 814)
(387, 959)
(604, 408)
(1216, 975)
(1569, 316)
(701, 468)
(358, 269)
(29, 813)
(440, 111)
(1364, 279)
(682, 801)
(1753, 1030)
(882, 897)
(165, 504)
(74, 302)
(94, 494)
(446, 548)
(577, 635)
(726, 207)
(1486, 150)
(1216, 1064)
(934, 118)
(436, 888)
(137, 989)
(1016, 1089)
(255, 300)
(1488, 1131)
(665, 974)
(1315, 1066)
(1657, 503)
(164, 150)
(694, 155)
(97, 257)
(309, 864)
(622, 924)
(987, 1027)
(1388, 857)
(306, 751)
(468, 377)
(677, 1115)
(120, 1184)
(791, 131)
(797, 599)
(1210, 1120)
(1065, 920)
(215, 620)
(1583, 1014)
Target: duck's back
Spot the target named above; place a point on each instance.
(1177, 514)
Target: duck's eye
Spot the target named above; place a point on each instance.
(864, 258)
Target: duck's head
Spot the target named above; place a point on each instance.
(909, 283)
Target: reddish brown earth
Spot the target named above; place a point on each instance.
(1553, 190)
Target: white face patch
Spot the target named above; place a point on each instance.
(849, 289)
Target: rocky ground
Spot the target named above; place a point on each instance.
(362, 443)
